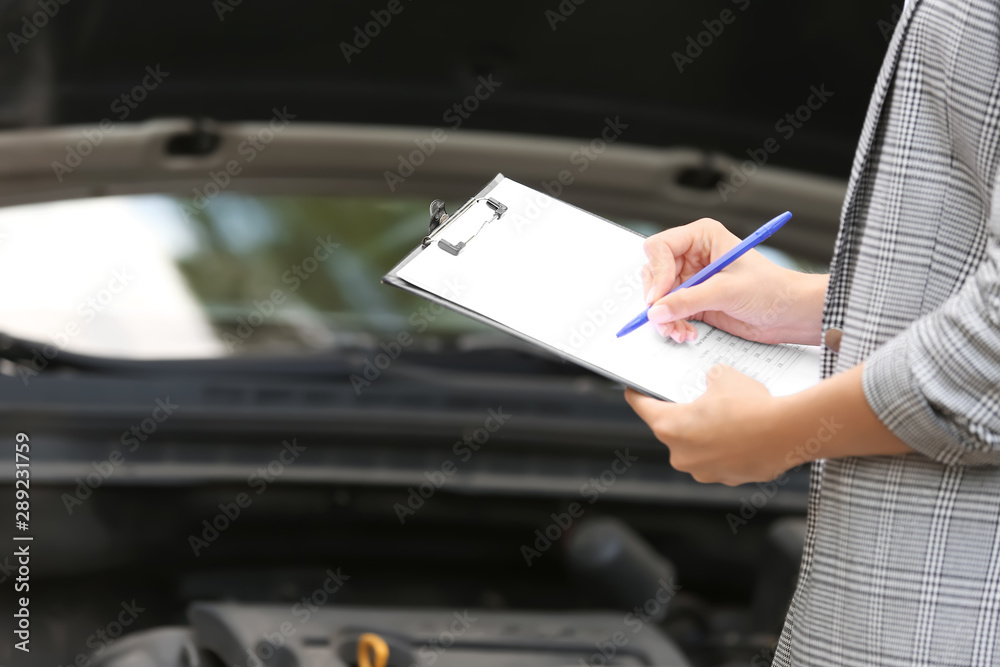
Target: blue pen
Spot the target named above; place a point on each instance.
(746, 244)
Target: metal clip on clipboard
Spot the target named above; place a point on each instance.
(440, 218)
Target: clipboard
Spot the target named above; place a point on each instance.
(439, 220)
(484, 226)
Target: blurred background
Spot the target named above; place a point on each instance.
(197, 203)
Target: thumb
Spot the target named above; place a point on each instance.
(710, 295)
(721, 373)
(724, 379)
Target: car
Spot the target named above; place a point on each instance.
(234, 446)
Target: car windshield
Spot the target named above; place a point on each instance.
(159, 276)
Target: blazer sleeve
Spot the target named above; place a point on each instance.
(936, 385)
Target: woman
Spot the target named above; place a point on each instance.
(902, 555)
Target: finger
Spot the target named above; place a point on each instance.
(675, 330)
(690, 332)
(647, 281)
(674, 248)
(648, 408)
(680, 331)
(723, 378)
(720, 373)
(662, 265)
(714, 294)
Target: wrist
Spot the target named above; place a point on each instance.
(803, 302)
(797, 437)
(833, 420)
(786, 443)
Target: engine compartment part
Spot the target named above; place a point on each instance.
(271, 636)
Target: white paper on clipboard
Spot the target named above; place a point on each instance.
(568, 280)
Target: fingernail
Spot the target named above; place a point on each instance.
(662, 329)
(676, 335)
(658, 314)
(649, 296)
(692, 334)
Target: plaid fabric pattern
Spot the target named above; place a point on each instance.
(902, 556)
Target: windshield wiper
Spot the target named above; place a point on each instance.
(466, 354)
(37, 356)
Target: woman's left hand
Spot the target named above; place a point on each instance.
(729, 434)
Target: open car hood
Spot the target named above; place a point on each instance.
(714, 76)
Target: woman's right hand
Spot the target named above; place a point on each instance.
(753, 297)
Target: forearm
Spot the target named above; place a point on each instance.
(832, 420)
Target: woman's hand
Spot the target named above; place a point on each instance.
(753, 297)
(736, 432)
(726, 435)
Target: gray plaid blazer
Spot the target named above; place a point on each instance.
(902, 556)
